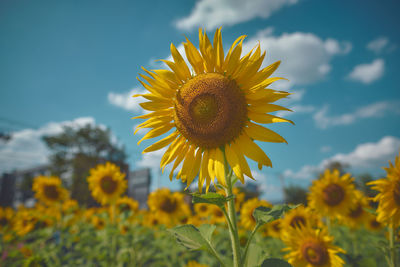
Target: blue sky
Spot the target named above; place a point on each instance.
(73, 62)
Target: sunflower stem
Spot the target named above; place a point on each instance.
(233, 230)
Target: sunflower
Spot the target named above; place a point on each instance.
(332, 195)
(389, 195)
(311, 247)
(127, 204)
(357, 215)
(24, 221)
(48, 189)
(300, 217)
(373, 225)
(195, 264)
(274, 229)
(217, 215)
(202, 209)
(168, 207)
(246, 213)
(213, 110)
(6, 215)
(107, 183)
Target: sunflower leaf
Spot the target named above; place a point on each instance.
(265, 214)
(211, 198)
(192, 238)
(273, 262)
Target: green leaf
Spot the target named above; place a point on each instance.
(255, 256)
(192, 238)
(273, 262)
(211, 198)
(265, 215)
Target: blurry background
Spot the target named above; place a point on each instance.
(72, 65)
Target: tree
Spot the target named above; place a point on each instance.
(294, 194)
(76, 150)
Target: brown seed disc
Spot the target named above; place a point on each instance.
(333, 194)
(168, 205)
(315, 253)
(356, 212)
(51, 192)
(210, 110)
(108, 185)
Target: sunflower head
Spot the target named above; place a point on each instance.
(127, 204)
(247, 219)
(389, 195)
(300, 217)
(107, 183)
(311, 247)
(332, 195)
(169, 207)
(357, 215)
(48, 189)
(211, 110)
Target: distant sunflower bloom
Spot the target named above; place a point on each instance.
(311, 247)
(357, 215)
(300, 217)
(202, 209)
(48, 189)
(389, 195)
(332, 195)
(195, 264)
(213, 110)
(6, 215)
(107, 183)
(247, 219)
(127, 204)
(168, 207)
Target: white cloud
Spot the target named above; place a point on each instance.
(368, 73)
(305, 57)
(215, 13)
(126, 101)
(370, 154)
(378, 45)
(367, 155)
(26, 149)
(292, 102)
(151, 159)
(374, 110)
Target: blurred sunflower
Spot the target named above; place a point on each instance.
(300, 217)
(389, 195)
(202, 209)
(168, 207)
(210, 110)
(239, 196)
(127, 204)
(107, 183)
(98, 223)
(357, 215)
(274, 229)
(48, 189)
(217, 216)
(246, 212)
(6, 215)
(332, 195)
(195, 264)
(309, 247)
(373, 225)
(24, 221)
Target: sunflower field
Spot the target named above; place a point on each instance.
(337, 228)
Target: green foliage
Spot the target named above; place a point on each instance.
(211, 198)
(265, 214)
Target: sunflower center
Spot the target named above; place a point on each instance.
(108, 185)
(356, 212)
(333, 194)
(315, 253)
(210, 110)
(218, 213)
(396, 194)
(374, 224)
(168, 205)
(51, 192)
(276, 226)
(298, 221)
(203, 208)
